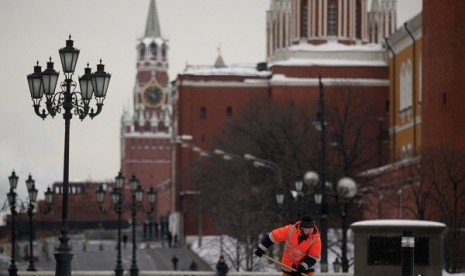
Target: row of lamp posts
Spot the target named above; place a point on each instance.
(119, 206)
(17, 206)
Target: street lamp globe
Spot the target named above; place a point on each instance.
(346, 187)
(311, 178)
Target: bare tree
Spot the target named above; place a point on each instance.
(443, 168)
(244, 196)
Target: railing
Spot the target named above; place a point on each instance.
(168, 273)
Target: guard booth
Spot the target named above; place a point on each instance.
(377, 247)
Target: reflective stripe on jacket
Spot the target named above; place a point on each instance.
(295, 252)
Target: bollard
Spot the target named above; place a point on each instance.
(408, 246)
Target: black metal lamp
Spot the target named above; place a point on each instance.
(152, 196)
(11, 196)
(119, 180)
(49, 79)
(85, 83)
(36, 87)
(29, 182)
(133, 183)
(139, 194)
(32, 191)
(100, 82)
(100, 193)
(49, 196)
(69, 56)
(67, 102)
(13, 179)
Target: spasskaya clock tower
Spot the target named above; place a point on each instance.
(146, 128)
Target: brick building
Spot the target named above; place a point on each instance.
(339, 41)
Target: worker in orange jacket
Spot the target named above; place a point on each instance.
(302, 250)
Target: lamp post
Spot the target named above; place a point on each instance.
(30, 183)
(116, 205)
(346, 190)
(119, 206)
(11, 196)
(320, 125)
(69, 102)
(137, 197)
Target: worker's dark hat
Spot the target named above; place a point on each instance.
(307, 222)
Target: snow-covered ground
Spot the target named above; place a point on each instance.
(211, 248)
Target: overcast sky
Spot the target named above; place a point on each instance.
(33, 30)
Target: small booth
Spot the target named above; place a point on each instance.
(377, 247)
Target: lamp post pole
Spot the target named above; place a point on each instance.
(13, 179)
(134, 269)
(30, 183)
(71, 101)
(324, 207)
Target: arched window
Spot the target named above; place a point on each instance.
(332, 18)
(405, 86)
(163, 51)
(229, 112)
(203, 112)
(141, 50)
(153, 49)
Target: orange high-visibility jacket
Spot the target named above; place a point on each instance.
(295, 253)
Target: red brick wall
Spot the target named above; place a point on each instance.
(443, 73)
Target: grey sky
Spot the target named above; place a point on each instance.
(34, 30)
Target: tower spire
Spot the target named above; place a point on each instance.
(152, 27)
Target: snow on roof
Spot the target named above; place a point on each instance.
(280, 79)
(238, 69)
(398, 223)
(331, 53)
(334, 46)
(330, 62)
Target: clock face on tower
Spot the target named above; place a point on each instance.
(153, 96)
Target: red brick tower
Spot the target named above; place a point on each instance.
(146, 133)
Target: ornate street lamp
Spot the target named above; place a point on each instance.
(32, 191)
(119, 206)
(346, 189)
(136, 206)
(11, 196)
(69, 102)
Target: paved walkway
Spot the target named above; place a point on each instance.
(96, 255)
